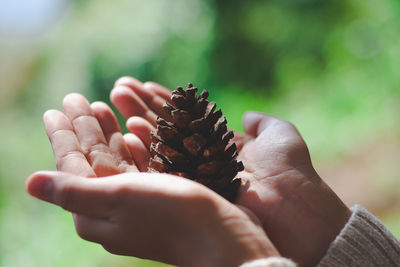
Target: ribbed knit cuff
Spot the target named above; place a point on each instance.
(270, 262)
(364, 241)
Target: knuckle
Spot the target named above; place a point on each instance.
(120, 194)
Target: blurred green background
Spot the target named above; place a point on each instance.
(330, 67)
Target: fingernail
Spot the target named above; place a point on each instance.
(41, 187)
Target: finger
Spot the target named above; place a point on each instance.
(130, 104)
(107, 120)
(104, 198)
(108, 197)
(150, 88)
(138, 150)
(159, 90)
(67, 151)
(152, 94)
(254, 123)
(112, 132)
(90, 135)
(124, 80)
(89, 197)
(141, 128)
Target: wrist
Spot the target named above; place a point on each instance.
(327, 215)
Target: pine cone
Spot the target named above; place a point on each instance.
(193, 143)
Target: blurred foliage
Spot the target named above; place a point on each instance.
(330, 67)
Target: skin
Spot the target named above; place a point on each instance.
(153, 216)
(299, 212)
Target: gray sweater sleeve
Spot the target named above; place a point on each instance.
(364, 241)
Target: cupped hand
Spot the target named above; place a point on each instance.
(298, 211)
(156, 216)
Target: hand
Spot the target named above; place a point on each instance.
(298, 211)
(87, 141)
(156, 216)
(122, 212)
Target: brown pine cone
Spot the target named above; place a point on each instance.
(193, 143)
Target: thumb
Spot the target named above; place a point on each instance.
(254, 122)
(73, 193)
(41, 184)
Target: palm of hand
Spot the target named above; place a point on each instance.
(275, 148)
(276, 164)
(276, 153)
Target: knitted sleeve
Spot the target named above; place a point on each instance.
(364, 241)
